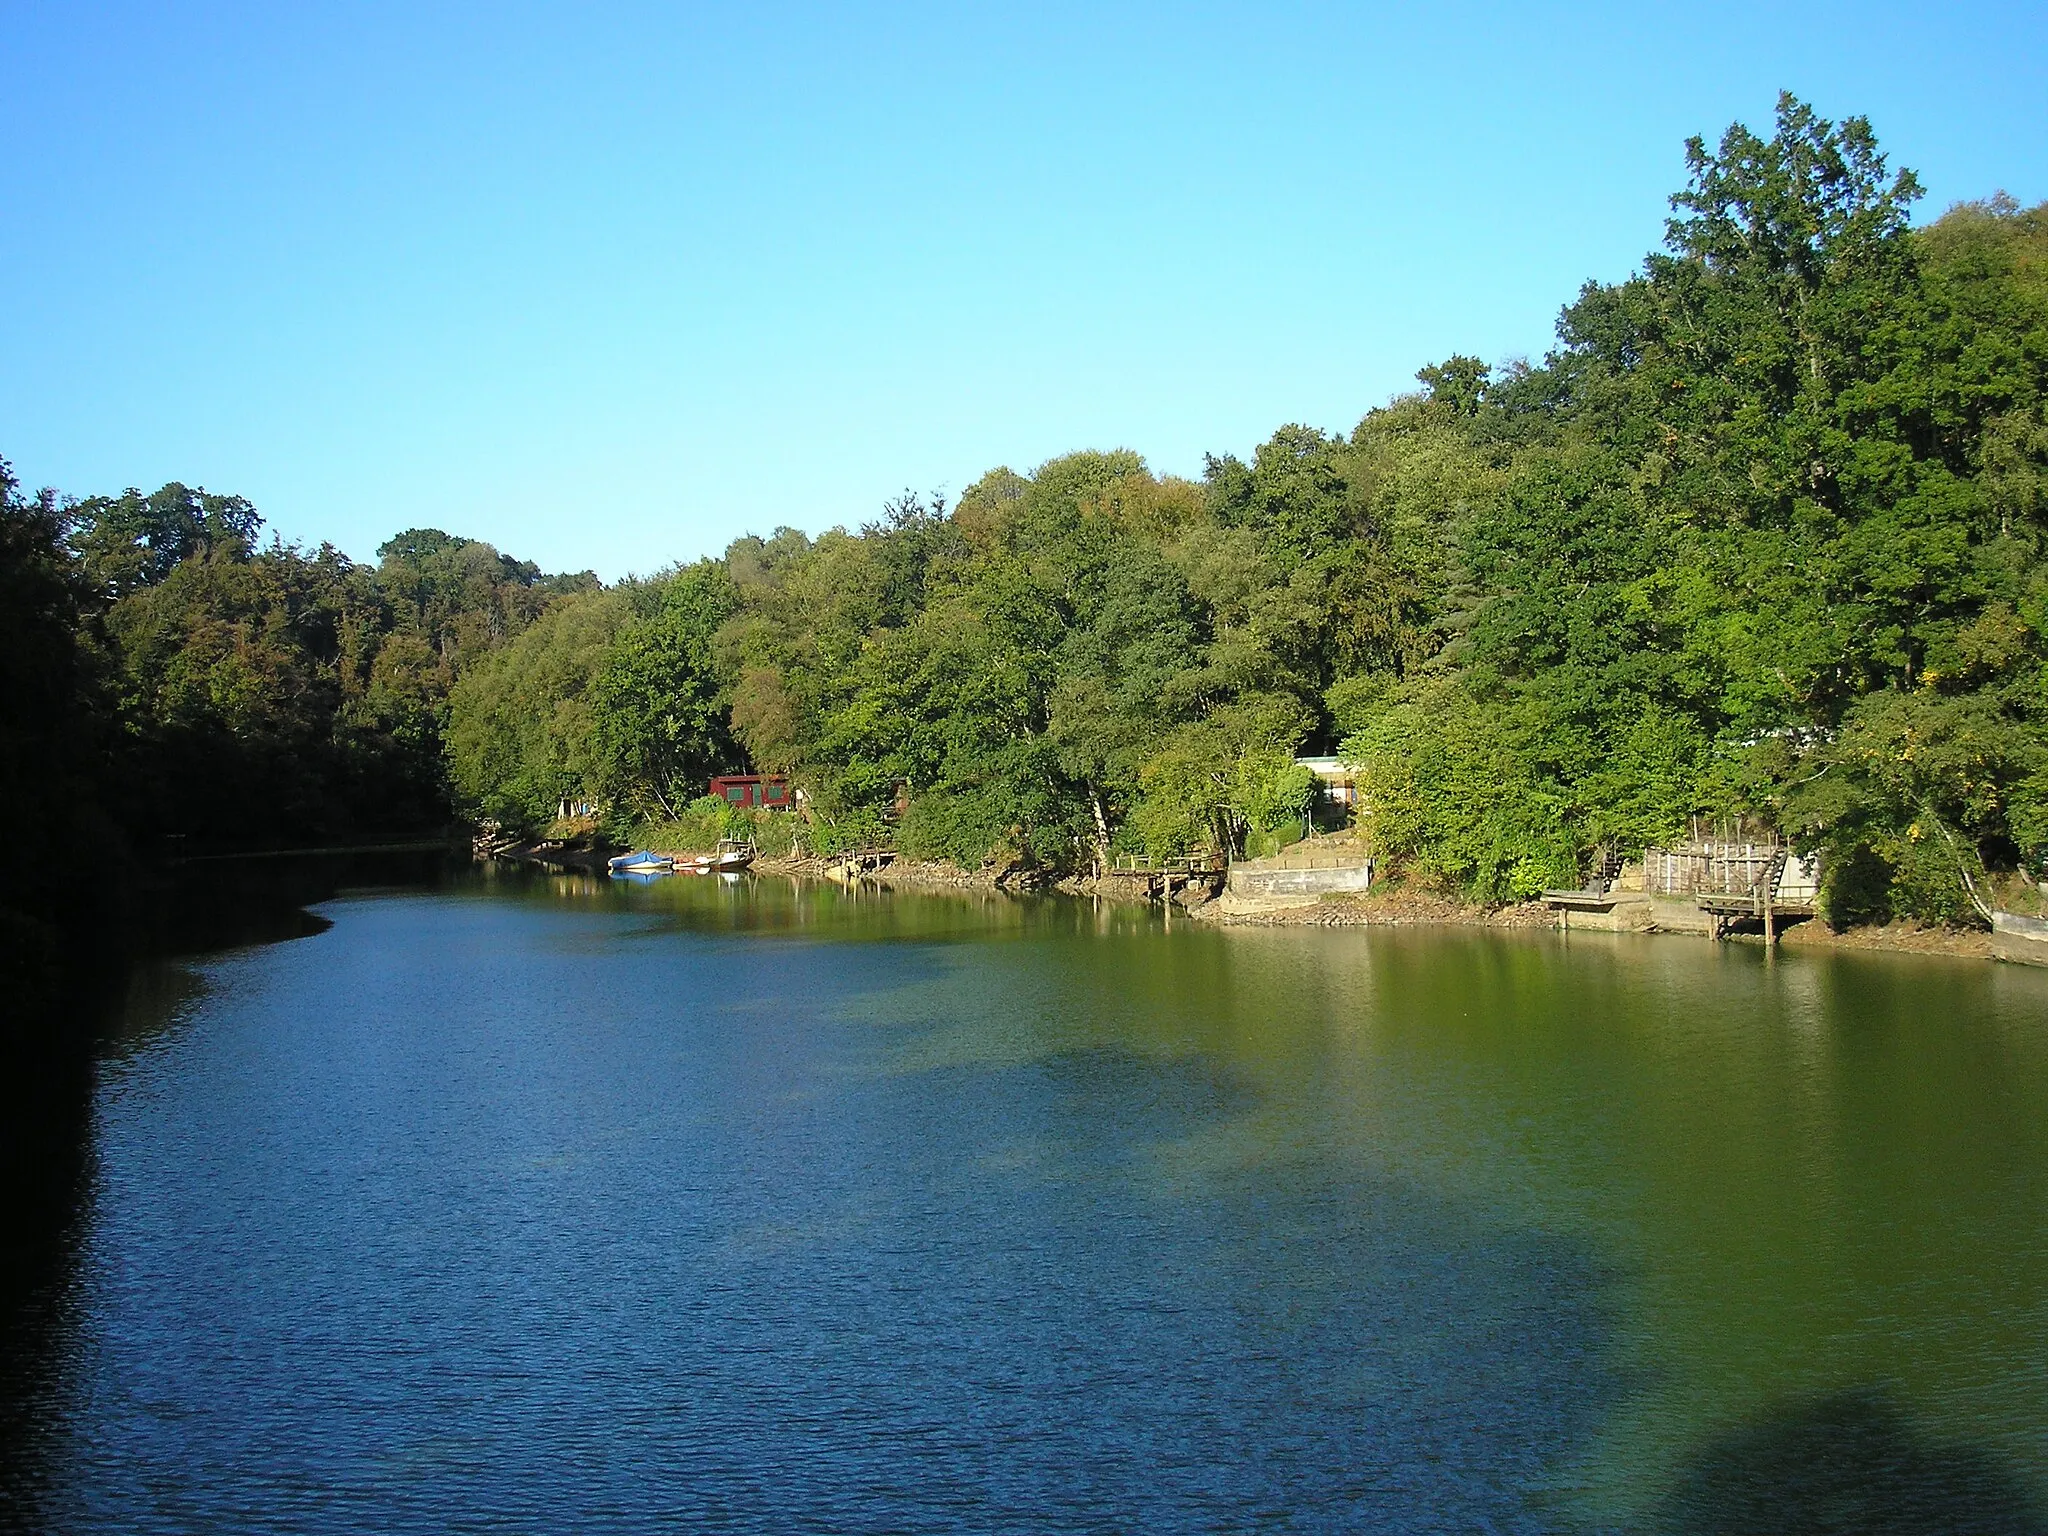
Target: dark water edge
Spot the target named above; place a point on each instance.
(72, 974)
(1860, 1459)
(68, 969)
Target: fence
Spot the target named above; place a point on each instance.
(1746, 868)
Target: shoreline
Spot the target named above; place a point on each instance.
(1385, 908)
(1401, 907)
(899, 874)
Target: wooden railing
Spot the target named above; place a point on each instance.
(1183, 864)
(1710, 868)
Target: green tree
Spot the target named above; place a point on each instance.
(521, 729)
(131, 541)
(659, 716)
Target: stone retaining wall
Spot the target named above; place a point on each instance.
(2024, 939)
(1641, 912)
(1254, 883)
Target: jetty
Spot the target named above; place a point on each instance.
(1162, 879)
(1709, 884)
(859, 864)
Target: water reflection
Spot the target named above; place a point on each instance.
(121, 995)
(775, 1206)
(43, 1198)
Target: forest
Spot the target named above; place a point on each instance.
(1760, 538)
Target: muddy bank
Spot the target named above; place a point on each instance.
(1392, 906)
(1400, 906)
(1909, 938)
(908, 874)
(1381, 908)
(584, 857)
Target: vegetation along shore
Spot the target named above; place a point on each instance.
(1759, 541)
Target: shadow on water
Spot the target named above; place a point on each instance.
(1107, 1087)
(1847, 1464)
(111, 987)
(44, 1187)
(1281, 1343)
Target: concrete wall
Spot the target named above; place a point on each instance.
(1305, 884)
(2024, 939)
(1679, 914)
(1631, 914)
(1636, 912)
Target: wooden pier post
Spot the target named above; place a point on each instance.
(1774, 868)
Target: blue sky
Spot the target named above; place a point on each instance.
(609, 291)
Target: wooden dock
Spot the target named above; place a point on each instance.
(1600, 893)
(1160, 879)
(1725, 879)
(1747, 882)
(859, 863)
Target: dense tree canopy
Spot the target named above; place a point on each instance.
(183, 681)
(1762, 537)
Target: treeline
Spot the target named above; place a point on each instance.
(1760, 538)
(168, 684)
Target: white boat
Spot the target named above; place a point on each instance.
(731, 856)
(643, 862)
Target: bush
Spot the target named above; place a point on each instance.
(963, 829)
(1446, 784)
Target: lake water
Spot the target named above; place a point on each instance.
(546, 1204)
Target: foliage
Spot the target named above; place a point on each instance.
(1910, 795)
(128, 542)
(659, 717)
(1767, 541)
(1457, 784)
(236, 694)
(705, 821)
(1762, 536)
(52, 739)
(522, 722)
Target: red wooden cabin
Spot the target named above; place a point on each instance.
(753, 789)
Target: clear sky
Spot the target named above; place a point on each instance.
(610, 285)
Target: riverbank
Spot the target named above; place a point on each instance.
(902, 874)
(1387, 906)
(1400, 905)
(1393, 906)
(1010, 880)
(1908, 938)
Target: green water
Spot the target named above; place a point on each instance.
(1445, 1229)
(1806, 1178)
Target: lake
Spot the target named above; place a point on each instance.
(548, 1204)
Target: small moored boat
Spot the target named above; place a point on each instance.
(644, 862)
(732, 856)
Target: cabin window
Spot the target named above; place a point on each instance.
(737, 794)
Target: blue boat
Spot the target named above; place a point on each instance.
(645, 862)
